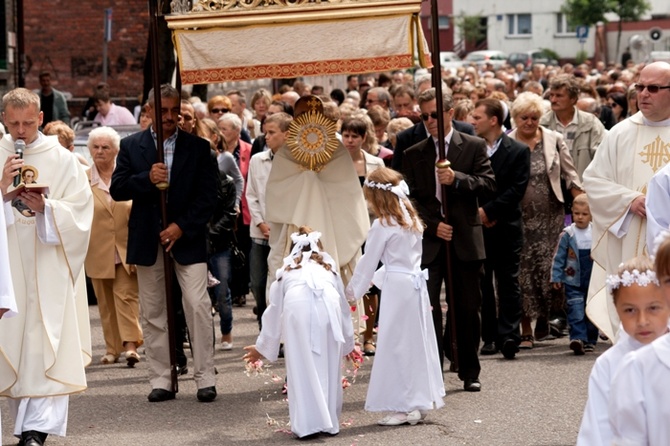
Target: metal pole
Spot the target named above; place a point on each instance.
(20, 45)
(158, 128)
(437, 83)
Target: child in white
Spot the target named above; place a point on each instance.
(638, 407)
(309, 312)
(644, 314)
(7, 301)
(406, 376)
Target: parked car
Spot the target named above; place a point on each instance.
(450, 60)
(83, 128)
(529, 58)
(481, 58)
(659, 56)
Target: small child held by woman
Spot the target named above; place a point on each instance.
(644, 312)
(406, 377)
(638, 407)
(309, 312)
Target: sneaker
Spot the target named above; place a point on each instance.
(589, 348)
(226, 345)
(398, 418)
(577, 346)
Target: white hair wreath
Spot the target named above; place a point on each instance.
(628, 278)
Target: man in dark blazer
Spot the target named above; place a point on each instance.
(469, 177)
(503, 231)
(417, 133)
(192, 174)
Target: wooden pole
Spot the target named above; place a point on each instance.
(158, 128)
(437, 84)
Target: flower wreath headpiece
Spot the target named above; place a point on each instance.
(628, 278)
(300, 241)
(401, 190)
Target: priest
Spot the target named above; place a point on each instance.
(44, 349)
(616, 183)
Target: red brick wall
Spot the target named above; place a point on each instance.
(65, 37)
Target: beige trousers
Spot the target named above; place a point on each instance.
(197, 310)
(119, 306)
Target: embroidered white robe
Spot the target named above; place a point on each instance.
(624, 163)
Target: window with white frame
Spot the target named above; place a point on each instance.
(563, 25)
(443, 22)
(519, 24)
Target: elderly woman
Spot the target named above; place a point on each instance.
(543, 211)
(218, 106)
(114, 281)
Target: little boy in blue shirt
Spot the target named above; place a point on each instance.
(572, 266)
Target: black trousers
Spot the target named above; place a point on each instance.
(466, 278)
(501, 274)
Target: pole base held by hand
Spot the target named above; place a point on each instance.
(163, 185)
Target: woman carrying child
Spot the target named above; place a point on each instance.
(309, 313)
(406, 377)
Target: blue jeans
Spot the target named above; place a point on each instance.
(258, 273)
(219, 266)
(575, 296)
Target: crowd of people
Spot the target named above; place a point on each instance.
(549, 179)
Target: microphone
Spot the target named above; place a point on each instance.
(19, 147)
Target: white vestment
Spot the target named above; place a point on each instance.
(7, 300)
(658, 207)
(595, 428)
(330, 201)
(624, 163)
(638, 407)
(406, 374)
(47, 252)
(309, 312)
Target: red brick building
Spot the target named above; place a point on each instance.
(65, 37)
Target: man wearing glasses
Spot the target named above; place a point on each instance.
(470, 176)
(616, 183)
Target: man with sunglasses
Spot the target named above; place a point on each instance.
(469, 177)
(616, 183)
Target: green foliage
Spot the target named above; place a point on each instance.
(550, 54)
(470, 27)
(581, 57)
(590, 12)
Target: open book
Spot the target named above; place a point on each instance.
(33, 187)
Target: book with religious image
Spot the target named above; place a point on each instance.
(32, 187)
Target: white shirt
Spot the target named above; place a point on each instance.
(257, 178)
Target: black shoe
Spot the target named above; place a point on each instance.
(240, 301)
(453, 368)
(577, 346)
(159, 395)
(489, 349)
(32, 438)
(207, 394)
(182, 370)
(472, 385)
(281, 351)
(589, 348)
(558, 327)
(509, 349)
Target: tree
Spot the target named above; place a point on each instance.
(470, 28)
(590, 12)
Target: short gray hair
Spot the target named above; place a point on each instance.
(232, 119)
(104, 132)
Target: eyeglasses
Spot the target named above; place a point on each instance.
(425, 116)
(653, 89)
(220, 110)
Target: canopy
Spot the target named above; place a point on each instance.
(232, 40)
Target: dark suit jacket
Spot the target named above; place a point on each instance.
(417, 133)
(511, 165)
(474, 177)
(191, 196)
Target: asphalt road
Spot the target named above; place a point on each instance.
(536, 399)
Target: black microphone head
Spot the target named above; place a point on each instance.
(19, 146)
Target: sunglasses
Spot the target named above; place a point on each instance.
(653, 89)
(220, 110)
(425, 116)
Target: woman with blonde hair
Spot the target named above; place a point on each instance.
(543, 212)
